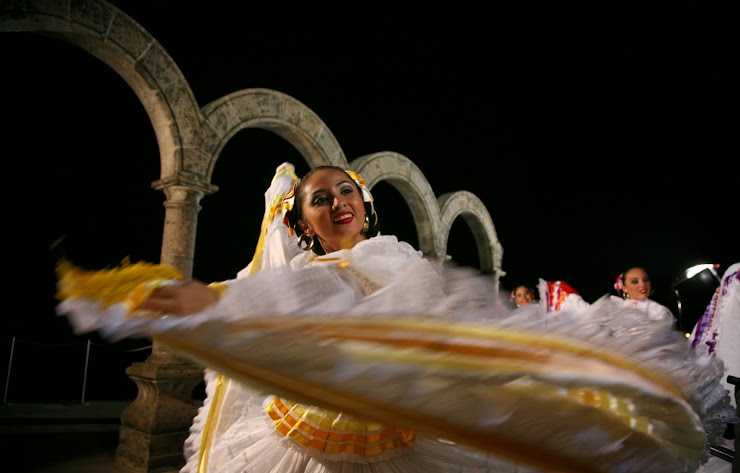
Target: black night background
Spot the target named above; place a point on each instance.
(597, 137)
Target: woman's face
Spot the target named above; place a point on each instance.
(522, 296)
(333, 210)
(637, 284)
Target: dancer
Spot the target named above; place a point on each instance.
(556, 296)
(717, 334)
(635, 288)
(241, 429)
(522, 295)
(382, 361)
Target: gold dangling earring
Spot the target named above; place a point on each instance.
(366, 225)
(308, 242)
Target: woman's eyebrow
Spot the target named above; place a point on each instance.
(317, 192)
(337, 184)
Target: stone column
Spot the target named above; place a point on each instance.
(155, 426)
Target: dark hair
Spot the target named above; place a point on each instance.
(630, 268)
(297, 212)
(526, 286)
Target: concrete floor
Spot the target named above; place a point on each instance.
(77, 438)
(63, 452)
(59, 438)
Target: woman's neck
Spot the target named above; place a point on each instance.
(344, 245)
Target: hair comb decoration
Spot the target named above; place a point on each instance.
(619, 284)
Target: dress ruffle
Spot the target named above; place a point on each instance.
(601, 390)
(246, 440)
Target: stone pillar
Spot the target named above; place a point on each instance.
(155, 426)
(180, 222)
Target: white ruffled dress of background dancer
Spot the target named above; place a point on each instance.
(380, 361)
(559, 295)
(717, 334)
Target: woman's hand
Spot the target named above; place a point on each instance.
(184, 298)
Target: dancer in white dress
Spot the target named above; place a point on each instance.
(717, 334)
(381, 361)
(241, 429)
(635, 288)
(522, 295)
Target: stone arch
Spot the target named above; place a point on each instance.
(277, 112)
(468, 206)
(406, 178)
(109, 34)
(116, 39)
(189, 138)
(433, 216)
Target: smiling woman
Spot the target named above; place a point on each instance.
(635, 288)
(380, 360)
(329, 207)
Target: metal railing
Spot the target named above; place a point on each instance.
(48, 371)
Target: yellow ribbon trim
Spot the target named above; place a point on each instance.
(219, 287)
(326, 433)
(275, 207)
(210, 426)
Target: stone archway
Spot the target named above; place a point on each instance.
(155, 425)
(277, 112)
(468, 206)
(190, 140)
(434, 216)
(407, 178)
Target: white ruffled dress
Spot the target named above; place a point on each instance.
(261, 433)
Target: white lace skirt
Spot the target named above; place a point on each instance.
(245, 439)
